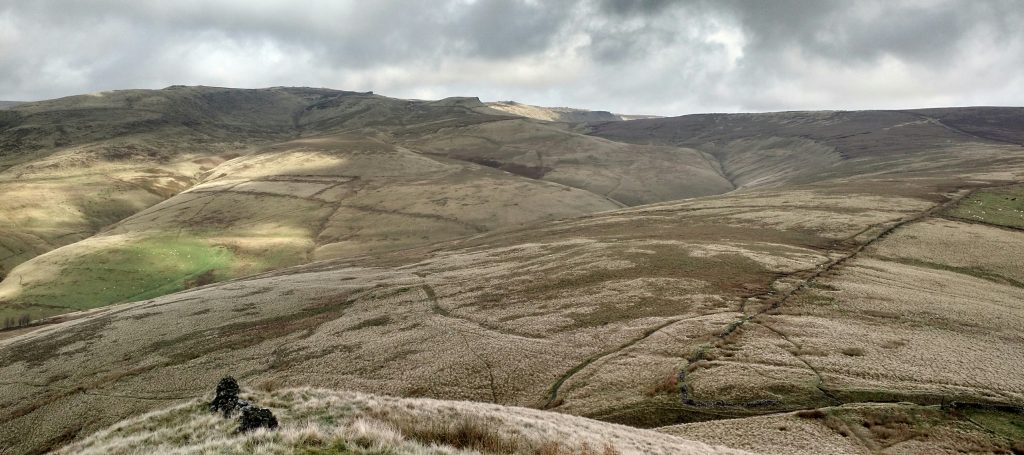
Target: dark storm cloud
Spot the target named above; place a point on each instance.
(656, 56)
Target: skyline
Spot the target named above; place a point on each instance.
(647, 57)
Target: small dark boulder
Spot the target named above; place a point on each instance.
(226, 401)
(254, 417)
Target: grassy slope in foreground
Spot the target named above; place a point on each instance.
(596, 315)
(317, 421)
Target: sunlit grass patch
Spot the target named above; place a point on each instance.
(141, 270)
(145, 268)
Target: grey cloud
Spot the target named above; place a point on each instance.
(649, 56)
(505, 28)
(635, 7)
(851, 31)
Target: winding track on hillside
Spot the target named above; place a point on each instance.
(773, 299)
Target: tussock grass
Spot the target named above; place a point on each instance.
(316, 421)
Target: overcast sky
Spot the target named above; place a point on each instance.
(656, 57)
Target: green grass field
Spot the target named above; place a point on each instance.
(142, 270)
(1000, 206)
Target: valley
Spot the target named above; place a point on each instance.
(792, 282)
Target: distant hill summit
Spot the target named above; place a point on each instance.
(561, 114)
(9, 104)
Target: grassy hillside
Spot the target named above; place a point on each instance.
(279, 177)
(290, 203)
(774, 149)
(70, 167)
(868, 428)
(127, 270)
(851, 259)
(735, 306)
(317, 421)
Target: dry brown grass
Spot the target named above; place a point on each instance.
(458, 326)
(288, 204)
(668, 386)
(591, 314)
(469, 433)
(811, 414)
(864, 428)
(321, 421)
